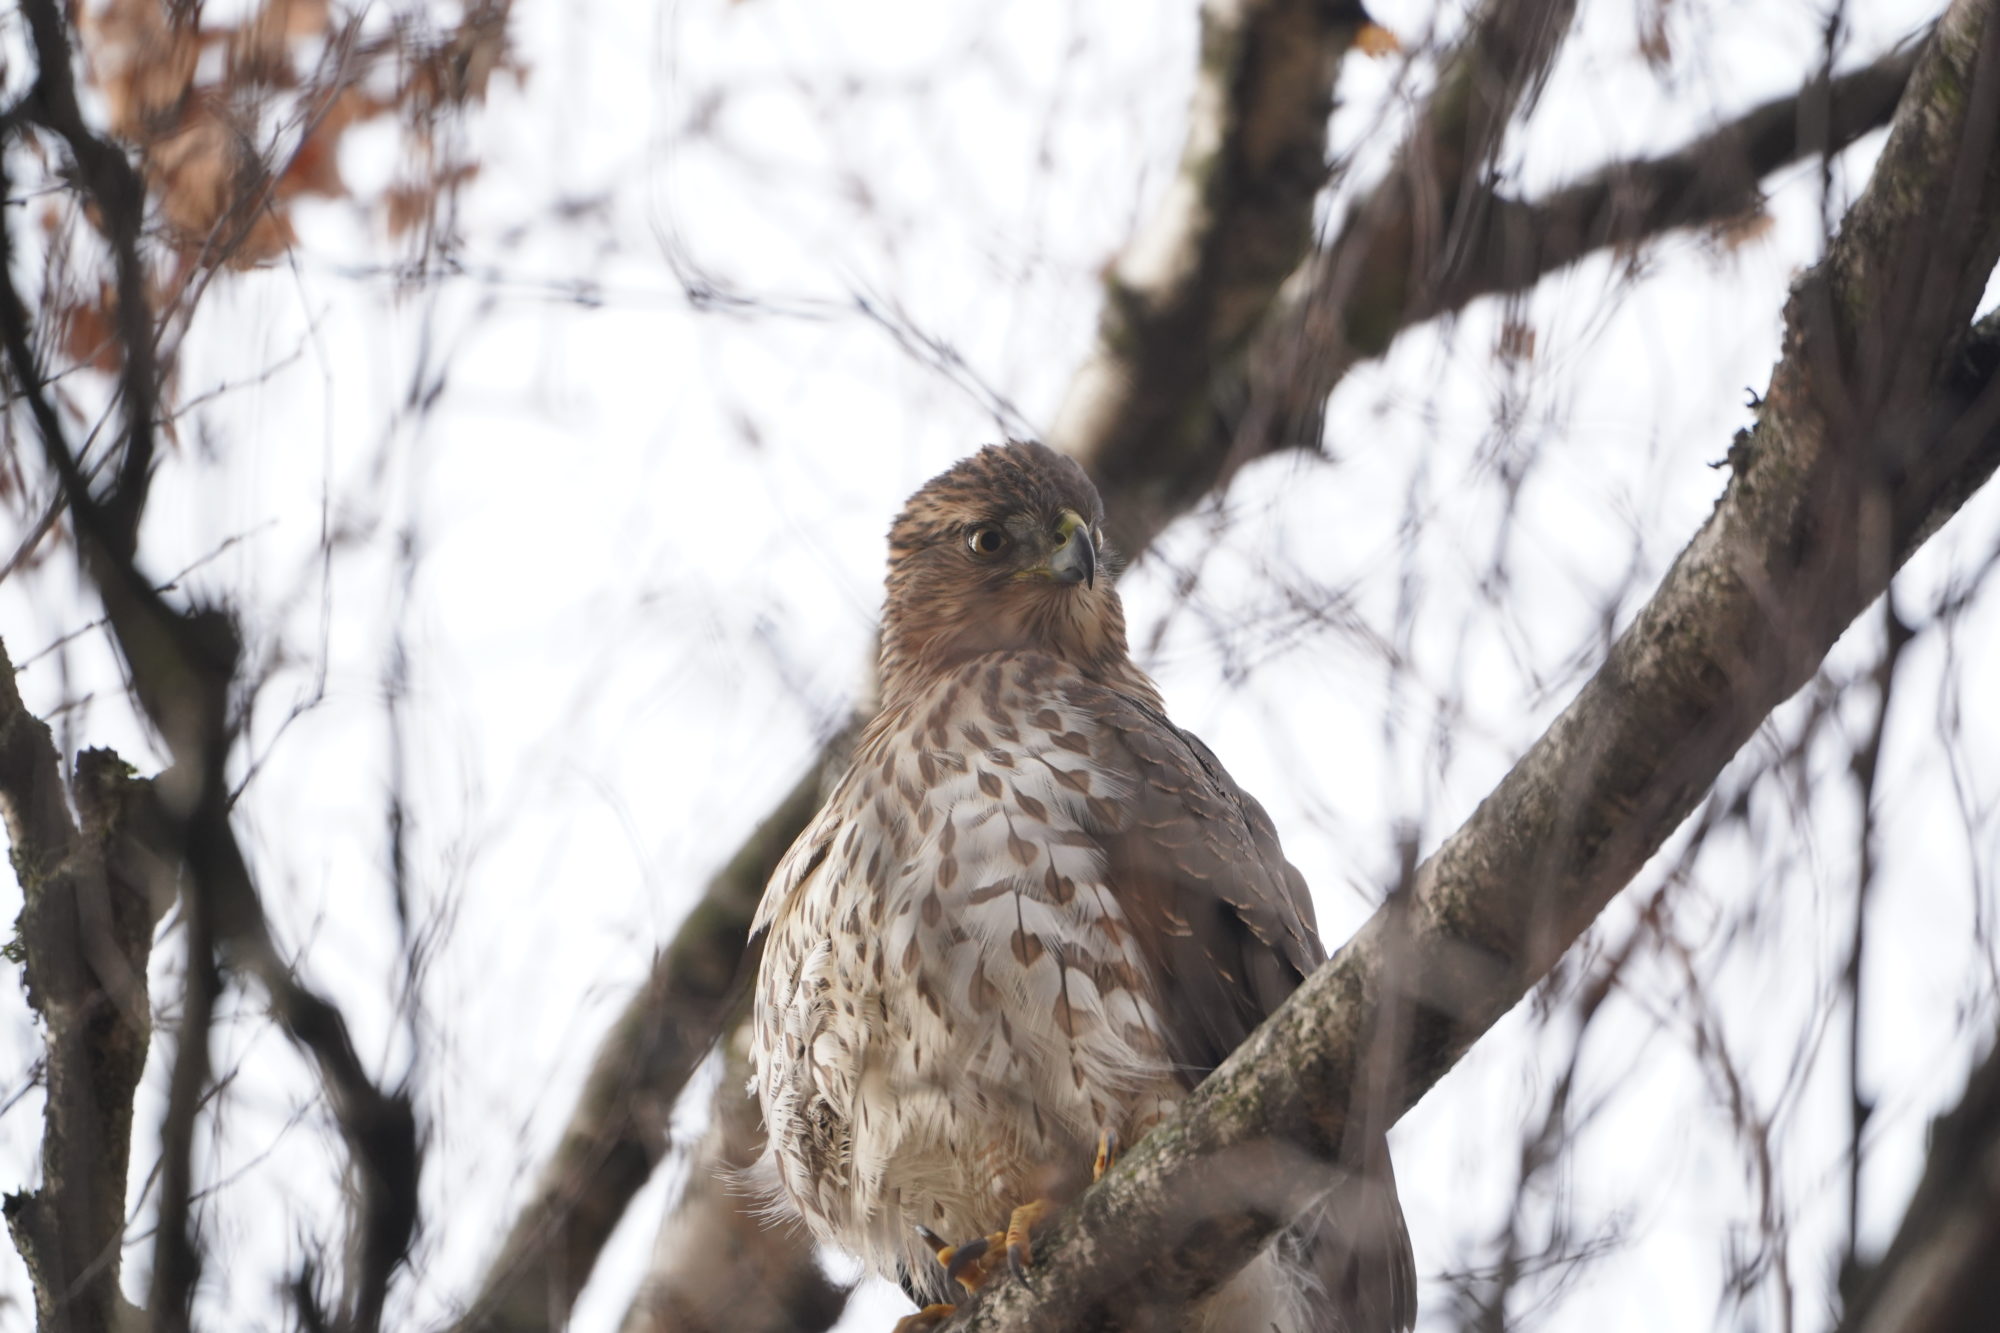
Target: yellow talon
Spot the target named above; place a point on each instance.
(1107, 1154)
(1019, 1256)
(973, 1262)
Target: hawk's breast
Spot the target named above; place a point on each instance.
(951, 1003)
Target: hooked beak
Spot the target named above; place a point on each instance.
(1075, 557)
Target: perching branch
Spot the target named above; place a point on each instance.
(1883, 416)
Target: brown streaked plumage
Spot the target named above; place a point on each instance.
(1033, 913)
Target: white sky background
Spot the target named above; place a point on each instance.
(645, 557)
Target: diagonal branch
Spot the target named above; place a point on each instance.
(617, 1133)
(1882, 417)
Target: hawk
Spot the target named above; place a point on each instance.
(1031, 917)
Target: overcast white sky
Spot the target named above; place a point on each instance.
(645, 555)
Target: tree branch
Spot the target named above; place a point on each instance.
(114, 186)
(1883, 416)
(1713, 179)
(617, 1132)
(1405, 256)
(91, 898)
(1938, 1275)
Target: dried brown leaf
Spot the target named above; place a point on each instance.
(142, 65)
(88, 332)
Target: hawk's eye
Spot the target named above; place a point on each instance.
(986, 541)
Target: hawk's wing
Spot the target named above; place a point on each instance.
(1227, 925)
(1196, 867)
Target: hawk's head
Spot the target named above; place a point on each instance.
(1003, 550)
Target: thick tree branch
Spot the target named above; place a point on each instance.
(1938, 1275)
(91, 898)
(1883, 416)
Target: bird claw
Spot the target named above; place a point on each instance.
(1019, 1256)
(1107, 1154)
(965, 1262)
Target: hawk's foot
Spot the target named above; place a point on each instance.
(968, 1263)
(924, 1320)
(1019, 1256)
(971, 1263)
